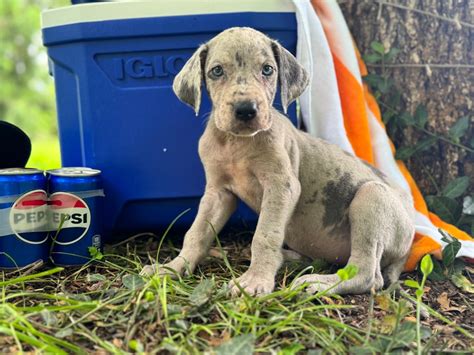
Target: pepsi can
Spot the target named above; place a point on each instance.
(23, 217)
(75, 199)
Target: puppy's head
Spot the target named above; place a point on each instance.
(241, 68)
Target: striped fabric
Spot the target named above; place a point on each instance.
(338, 107)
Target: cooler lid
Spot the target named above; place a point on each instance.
(117, 10)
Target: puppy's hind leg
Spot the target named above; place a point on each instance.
(392, 272)
(370, 223)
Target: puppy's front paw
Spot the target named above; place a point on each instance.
(253, 284)
(315, 283)
(174, 268)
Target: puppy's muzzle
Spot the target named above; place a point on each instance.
(245, 110)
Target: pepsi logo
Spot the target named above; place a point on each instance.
(29, 217)
(70, 218)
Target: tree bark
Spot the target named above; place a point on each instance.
(447, 90)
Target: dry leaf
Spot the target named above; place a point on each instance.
(117, 342)
(383, 301)
(453, 342)
(222, 338)
(99, 351)
(462, 282)
(217, 253)
(460, 309)
(443, 329)
(443, 301)
(95, 286)
(387, 324)
(328, 300)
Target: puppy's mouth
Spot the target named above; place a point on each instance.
(248, 135)
(249, 129)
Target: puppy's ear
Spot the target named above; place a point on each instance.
(187, 84)
(292, 76)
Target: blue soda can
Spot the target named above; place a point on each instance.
(75, 208)
(23, 217)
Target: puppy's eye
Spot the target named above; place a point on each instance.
(217, 71)
(267, 70)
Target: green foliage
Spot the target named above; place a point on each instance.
(132, 281)
(449, 200)
(95, 253)
(397, 119)
(403, 337)
(450, 251)
(462, 282)
(348, 272)
(379, 54)
(202, 293)
(26, 90)
(136, 346)
(404, 153)
(459, 129)
(446, 208)
(426, 267)
(411, 283)
(447, 203)
(456, 188)
(240, 345)
(449, 266)
(106, 306)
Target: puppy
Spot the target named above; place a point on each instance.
(310, 195)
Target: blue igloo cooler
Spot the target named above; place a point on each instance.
(113, 66)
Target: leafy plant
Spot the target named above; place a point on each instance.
(448, 201)
(389, 98)
(426, 267)
(448, 204)
(242, 344)
(348, 272)
(95, 253)
(450, 267)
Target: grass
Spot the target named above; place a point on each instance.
(106, 306)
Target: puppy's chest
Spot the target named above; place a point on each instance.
(241, 180)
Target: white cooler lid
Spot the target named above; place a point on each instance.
(103, 11)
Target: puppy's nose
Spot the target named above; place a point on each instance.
(245, 110)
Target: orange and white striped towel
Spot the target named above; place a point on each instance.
(339, 108)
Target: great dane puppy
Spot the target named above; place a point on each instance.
(310, 195)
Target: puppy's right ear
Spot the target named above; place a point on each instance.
(187, 84)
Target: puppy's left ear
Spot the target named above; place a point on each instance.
(292, 76)
(187, 84)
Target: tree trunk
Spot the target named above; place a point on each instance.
(440, 35)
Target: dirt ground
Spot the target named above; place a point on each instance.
(443, 297)
(107, 308)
